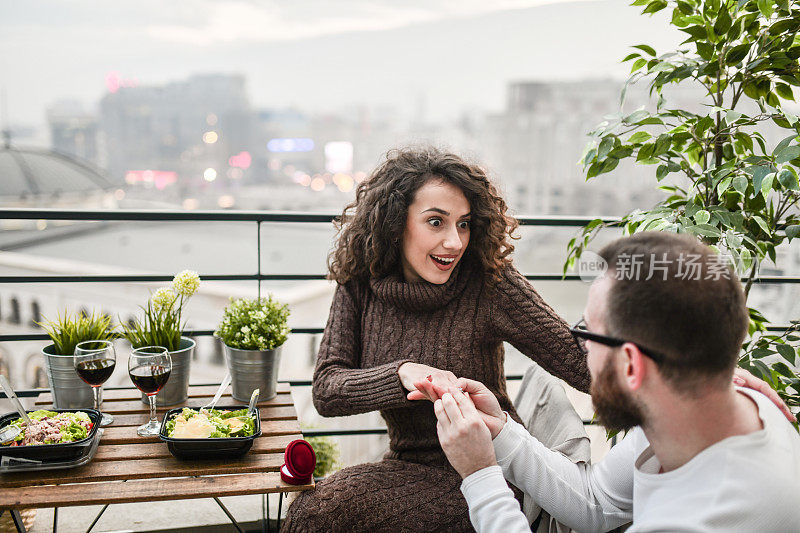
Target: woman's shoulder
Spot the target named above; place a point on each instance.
(353, 289)
(508, 278)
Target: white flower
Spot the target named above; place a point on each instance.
(163, 298)
(186, 283)
(245, 329)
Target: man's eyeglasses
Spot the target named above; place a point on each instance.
(579, 330)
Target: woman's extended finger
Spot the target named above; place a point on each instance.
(416, 395)
(451, 407)
(746, 379)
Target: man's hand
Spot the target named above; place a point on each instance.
(481, 397)
(412, 373)
(464, 437)
(743, 378)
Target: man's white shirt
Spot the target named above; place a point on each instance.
(742, 483)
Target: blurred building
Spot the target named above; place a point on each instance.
(534, 147)
(188, 130)
(73, 130)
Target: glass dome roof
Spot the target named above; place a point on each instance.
(26, 173)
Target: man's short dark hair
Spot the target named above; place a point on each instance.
(674, 295)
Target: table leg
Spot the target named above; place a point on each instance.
(269, 527)
(263, 513)
(55, 519)
(96, 518)
(17, 519)
(230, 516)
(280, 502)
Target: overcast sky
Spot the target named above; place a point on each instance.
(456, 55)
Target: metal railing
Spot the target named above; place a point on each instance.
(258, 218)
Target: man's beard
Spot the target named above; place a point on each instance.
(615, 409)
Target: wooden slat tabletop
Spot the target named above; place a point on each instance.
(129, 468)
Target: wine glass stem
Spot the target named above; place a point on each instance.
(96, 393)
(152, 399)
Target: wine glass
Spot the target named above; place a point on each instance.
(149, 368)
(94, 362)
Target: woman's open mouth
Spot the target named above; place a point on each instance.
(444, 262)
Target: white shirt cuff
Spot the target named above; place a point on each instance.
(484, 484)
(508, 440)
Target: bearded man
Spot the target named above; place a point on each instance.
(663, 329)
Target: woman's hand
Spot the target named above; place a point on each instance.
(481, 397)
(743, 378)
(411, 373)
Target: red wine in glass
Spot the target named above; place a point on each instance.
(149, 368)
(94, 362)
(95, 372)
(149, 378)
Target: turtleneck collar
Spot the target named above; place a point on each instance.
(422, 295)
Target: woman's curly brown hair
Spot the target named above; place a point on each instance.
(370, 230)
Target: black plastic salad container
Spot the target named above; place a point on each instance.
(217, 448)
(63, 451)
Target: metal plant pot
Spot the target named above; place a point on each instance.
(69, 391)
(253, 369)
(177, 388)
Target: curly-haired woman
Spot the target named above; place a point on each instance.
(426, 289)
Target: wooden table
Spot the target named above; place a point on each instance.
(129, 468)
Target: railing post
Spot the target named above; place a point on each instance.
(258, 251)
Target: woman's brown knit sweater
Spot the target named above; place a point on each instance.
(458, 326)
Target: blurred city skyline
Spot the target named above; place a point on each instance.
(434, 60)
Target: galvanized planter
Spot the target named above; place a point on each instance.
(253, 369)
(177, 388)
(69, 391)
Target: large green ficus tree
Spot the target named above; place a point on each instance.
(726, 184)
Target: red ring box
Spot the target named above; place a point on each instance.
(299, 463)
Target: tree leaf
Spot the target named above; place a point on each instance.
(758, 353)
(740, 184)
(605, 146)
(723, 23)
(788, 179)
(705, 50)
(758, 172)
(645, 48)
(786, 351)
(736, 54)
(639, 137)
(655, 7)
(784, 91)
(762, 224)
(732, 116)
(784, 143)
(663, 144)
(793, 231)
(702, 216)
(723, 185)
(782, 369)
(766, 184)
(645, 152)
(705, 230)
(639, 63)
(765, 6)
(787, 154)
(636, 116)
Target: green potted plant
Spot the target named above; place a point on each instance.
(69, 391)
(252, 331)
(726, 183)
(327, 452)
(162, 326)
